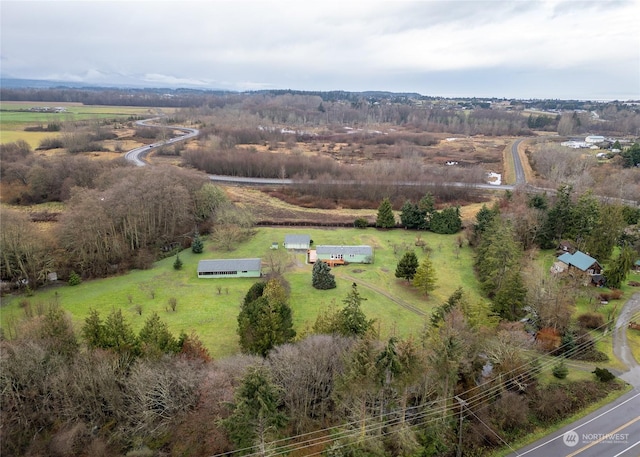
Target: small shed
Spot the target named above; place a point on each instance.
(229, 268)
(566, 246)
(297, 241)
(346, 254)
(636, 266)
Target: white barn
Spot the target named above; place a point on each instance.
(297, 241)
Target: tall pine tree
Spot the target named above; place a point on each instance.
(256, 415)
(386, 218)
(407, 266)
(425, 277)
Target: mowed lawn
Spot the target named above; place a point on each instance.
(210, 306)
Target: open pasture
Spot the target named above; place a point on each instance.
(16, 116)
(210, 306)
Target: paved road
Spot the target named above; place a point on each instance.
(521, 179)
(614, 429)
(137, 155)
(620, 344)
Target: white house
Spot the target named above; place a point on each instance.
(594, 139)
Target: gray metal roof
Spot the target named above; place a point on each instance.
(297, 239)
(344, 250)
(229, 265)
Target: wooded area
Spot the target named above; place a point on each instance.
(336, 386)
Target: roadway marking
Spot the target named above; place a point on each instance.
(591, 420)
(604, 437)
(627, 449)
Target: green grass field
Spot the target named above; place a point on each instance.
(15, 116)
(212, 313)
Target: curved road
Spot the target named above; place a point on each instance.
(137, 155)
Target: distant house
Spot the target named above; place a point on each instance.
(229, 268)
(636, 266)
(297, 241)
(591, 139)
(580, 263)
(341, 254)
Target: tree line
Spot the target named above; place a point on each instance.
(348, 108)
(335, 387)
(121, 218)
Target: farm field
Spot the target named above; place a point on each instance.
(210, 306)
(15, 116)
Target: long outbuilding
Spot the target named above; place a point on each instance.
(230, 268)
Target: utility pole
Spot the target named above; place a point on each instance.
(462, 404)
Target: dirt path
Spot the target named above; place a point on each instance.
(404, 304)
(620, 344)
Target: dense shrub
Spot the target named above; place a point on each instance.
(560, 370)
(360, 223)
(50, 143)
(591, 320)
(603, 374)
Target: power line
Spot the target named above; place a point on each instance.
(478, 401)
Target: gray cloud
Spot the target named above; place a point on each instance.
(555, 48)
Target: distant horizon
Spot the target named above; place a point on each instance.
(24, 83)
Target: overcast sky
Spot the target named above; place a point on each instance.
(484, 48)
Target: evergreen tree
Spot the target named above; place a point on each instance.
(620, 266)
(74, 279)
(266, 321)
(56, 331)
(411, 217)
(177, 265)
(197, 246)
(425, 277)
(352, 320)
(156, 339)
(321, 276)
(118, 334)
(407, 266)
(560, 370)
(386, 218)
(538, 201)
(455, 299)
(498, 254)
(255, 418)
(427, 206)
(93, 330)
(559, 221)
(484, 217)
(510, 299)
(585, 217)
(631, 156)
(254, 292)
(447, 221)
(608, 229)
